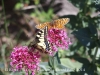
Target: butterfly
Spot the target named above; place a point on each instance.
(57, 24)
(40, 42)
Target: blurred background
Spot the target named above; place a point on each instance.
(17, 27)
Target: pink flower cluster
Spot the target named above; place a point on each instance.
(58, 38)
(23, 58)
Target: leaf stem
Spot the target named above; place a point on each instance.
(5, 22)
(54, 65)
(94, 58)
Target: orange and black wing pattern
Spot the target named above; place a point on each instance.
(57, 24)
(42, 25)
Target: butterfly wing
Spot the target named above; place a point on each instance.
(42, 25)
(41, 43)
(59, 23)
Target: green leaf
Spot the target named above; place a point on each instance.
(72, 65)
(87, 36)
(89, 2)
(45, 66)
(45, 73)
(1, 73)
(54, 61)
(36, 2)
(50, 12)
(17, 73)
(33, 14)
(62, 53)
(60, 69)
(93, 30)
(18, 6)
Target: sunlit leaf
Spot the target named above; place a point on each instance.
(70, 64)
(18, 6)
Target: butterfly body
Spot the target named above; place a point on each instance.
(57, 24)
